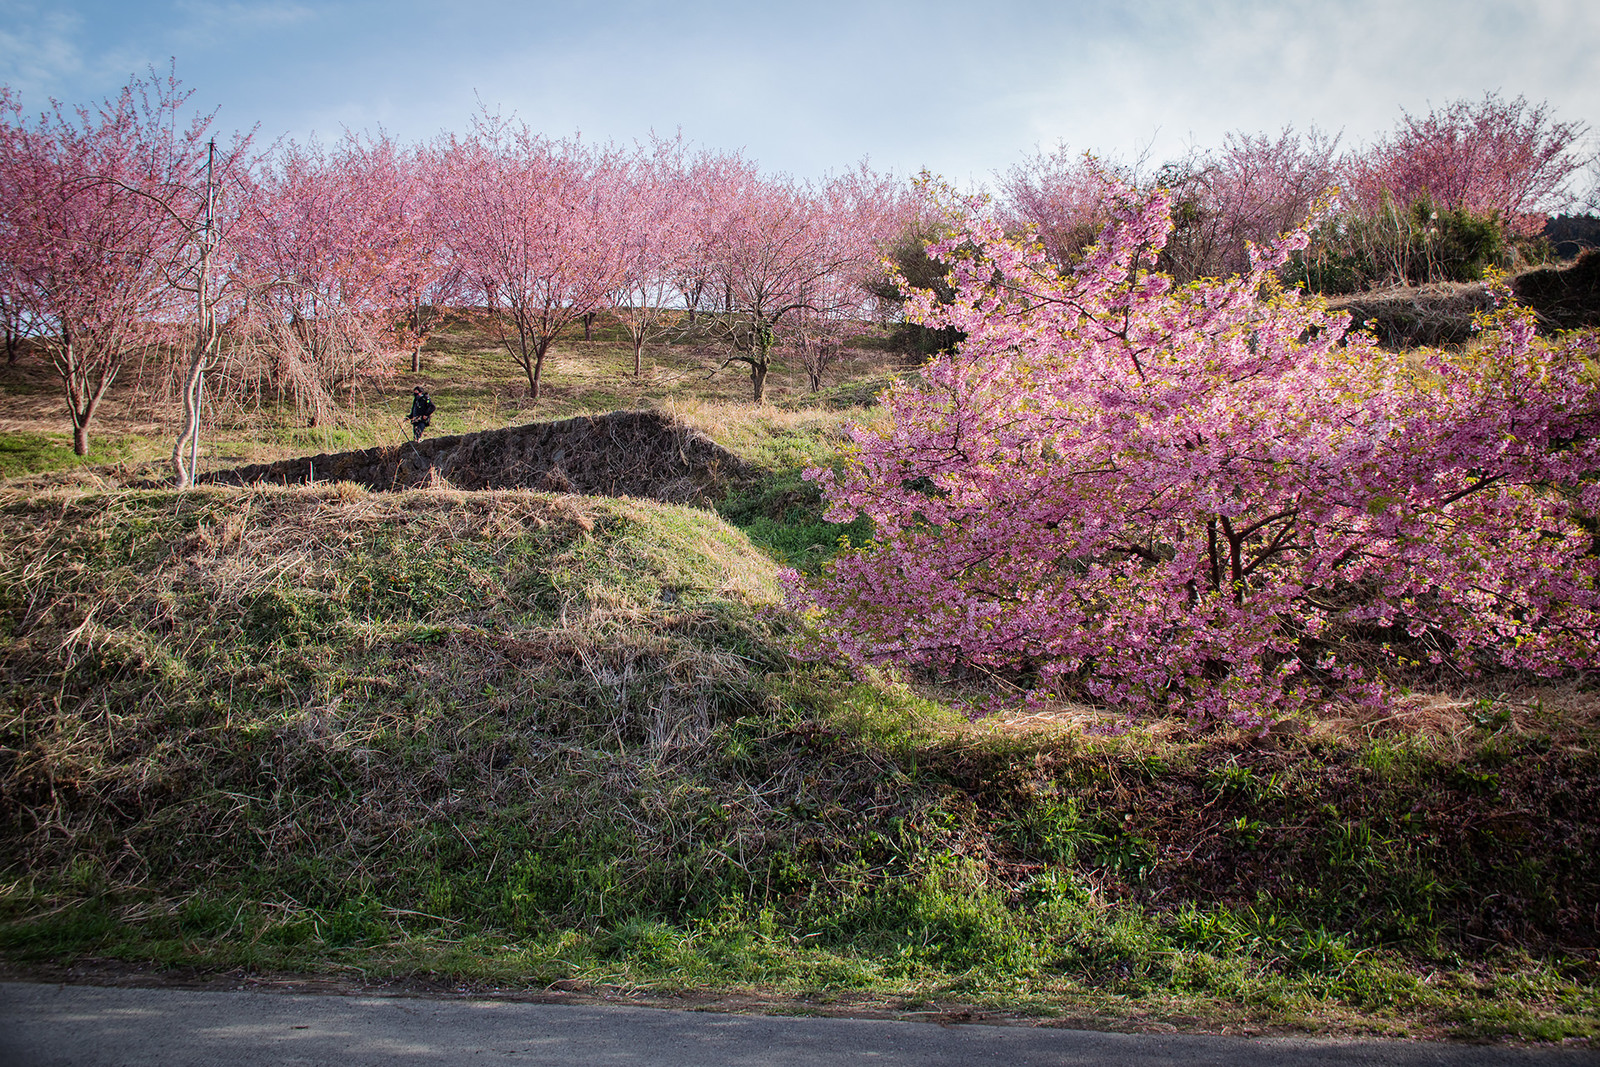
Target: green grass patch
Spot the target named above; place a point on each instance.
(30, 453)
(515, 738)
(783, 515)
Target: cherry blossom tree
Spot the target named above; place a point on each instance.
(819, 338)
(1060, 198)
(786, 249)
(657, 235)
(347, 262)
(13, 312)
(1447, 195)
(14, 325)
(1268, 185)
(713, 183)
(770, 256)
(408, 237)
(312, 276)
(537, 224)
(1251, 190)
(88, 256)
(1200, 499)
(1509, 159)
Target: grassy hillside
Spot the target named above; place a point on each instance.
(516, 739)
(510, 739)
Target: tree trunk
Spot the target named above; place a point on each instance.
(588, 327)
(638, 346)
(83, 396)
(422, 340)
(535, 372)
(193, 388)
(205, 341)
(760, 358)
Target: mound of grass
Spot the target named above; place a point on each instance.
(1566, 298)
(519, 738)
(1407, 317)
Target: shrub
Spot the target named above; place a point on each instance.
(1417, 245)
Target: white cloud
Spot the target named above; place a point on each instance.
(38, 48)
(964, 89)
(227, 20)
(1188, 72)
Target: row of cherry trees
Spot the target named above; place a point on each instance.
(307, 269)
(1392, 204)
(304, 270)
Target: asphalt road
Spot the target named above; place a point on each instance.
(90, 1026)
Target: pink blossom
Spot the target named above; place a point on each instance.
(1180, 499)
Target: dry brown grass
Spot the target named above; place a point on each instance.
(1452, 720)
(1407, 317)
(239, 673)
(1456, 721)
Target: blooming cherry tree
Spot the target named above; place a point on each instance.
(537, 226)
(1192, 498)
(1259, 186)
(317, 259)
(88, 255)
(1494, 157)
(1058, 197)
(786, 249)
(416, 277)
(657, 202)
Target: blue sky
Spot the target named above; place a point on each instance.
(811, 88)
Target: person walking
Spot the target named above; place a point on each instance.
(421, 412)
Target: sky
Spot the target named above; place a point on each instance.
(963, 88)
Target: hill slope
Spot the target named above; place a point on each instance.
(516, 737)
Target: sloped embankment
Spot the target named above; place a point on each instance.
(533, 739)
(1566, 298)
(307, 694)
(625, 453)
(1562, 297)
(1407, 317)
